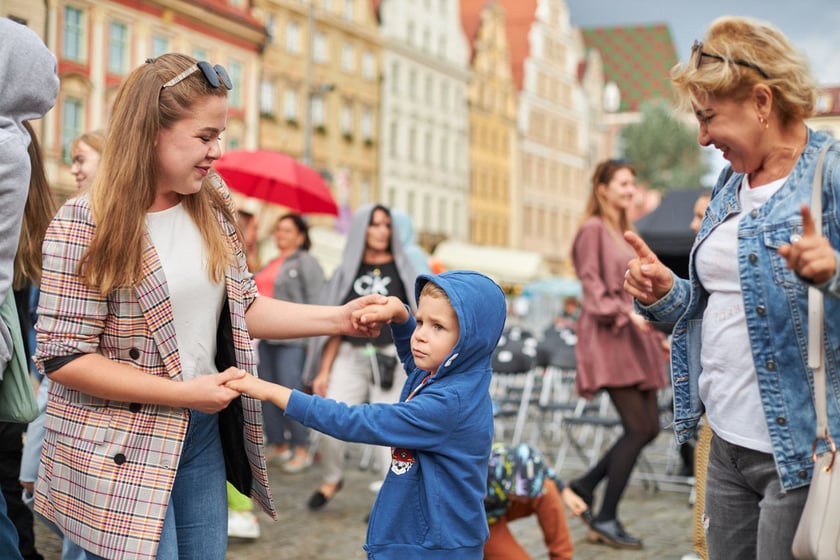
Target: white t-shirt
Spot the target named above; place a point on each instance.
(728, 382)
(196, 300)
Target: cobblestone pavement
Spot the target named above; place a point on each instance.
(661, 518)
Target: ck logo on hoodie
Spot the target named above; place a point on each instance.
(402, 460)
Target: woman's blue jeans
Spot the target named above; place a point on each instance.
(195, 527)
(748, 513)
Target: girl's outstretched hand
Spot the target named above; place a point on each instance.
(646, 278)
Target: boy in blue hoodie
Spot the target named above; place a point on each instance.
(432, 502)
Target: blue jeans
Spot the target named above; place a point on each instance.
(195, 527)
(282, 364)
(749, 514)
(8, 534)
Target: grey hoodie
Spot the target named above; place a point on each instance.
(338, 286)
(28, 89)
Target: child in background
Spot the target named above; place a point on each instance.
(432, 502)
(520, 484)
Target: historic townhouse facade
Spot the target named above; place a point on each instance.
(319, 90)
(494, 195)
(98, 43)
(556, 119)
(424, 154)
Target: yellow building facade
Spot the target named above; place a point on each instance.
(319, 99)
(493, 194)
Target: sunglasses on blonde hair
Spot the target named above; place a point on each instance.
(697, 53)
(216, 75)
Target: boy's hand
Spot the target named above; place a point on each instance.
(391, 310)
(210, 393)
(261, 390)
(350, 310)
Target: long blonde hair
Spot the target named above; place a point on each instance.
(125, 183)
(39, 210)
(603, 174)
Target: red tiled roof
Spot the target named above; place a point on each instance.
(471, 20)
(520, 15)
(637, 58)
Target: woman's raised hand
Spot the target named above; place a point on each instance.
(810, 254)
(646, 278)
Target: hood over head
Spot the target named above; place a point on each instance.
(479, 304)
(30, 85)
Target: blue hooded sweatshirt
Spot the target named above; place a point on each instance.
(432, 502)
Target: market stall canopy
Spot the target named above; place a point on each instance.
(505, 266)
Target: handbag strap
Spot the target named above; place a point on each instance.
(816, 354)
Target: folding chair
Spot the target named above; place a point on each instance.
(513, 379)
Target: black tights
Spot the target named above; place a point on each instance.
(639, 415)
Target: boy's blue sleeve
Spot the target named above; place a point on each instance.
(402, 340)
(421, 423)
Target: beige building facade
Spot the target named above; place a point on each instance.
(493, 193)
(319, 91)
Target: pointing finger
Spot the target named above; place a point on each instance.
(641, 248)
(808, 227)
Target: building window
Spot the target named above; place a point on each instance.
(347, 118)
(427, 148)
(395, 77)
(292, 38)
(366, 124)
(428, 89)
(412, 144)
(290, 105)
(412, 84)
(444, 95)
(266, 97)
(393, 140)
(348, 58)
(317, 111)
(117, 48)
(160, 45)
(444, 153)
(368, 66)
(71, 124)
(74, 33)
(270, 28)
(319, 48)
(348, 10)
(235, 94)
(364, 190)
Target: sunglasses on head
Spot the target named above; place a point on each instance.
(216, 75)
(698, 54)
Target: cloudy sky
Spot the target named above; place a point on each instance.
(812, 25)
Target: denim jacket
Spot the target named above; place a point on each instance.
(776, 308)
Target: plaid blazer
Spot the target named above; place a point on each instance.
(107, 468)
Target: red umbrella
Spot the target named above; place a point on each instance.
(277, 178)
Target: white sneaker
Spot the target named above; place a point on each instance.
(690, 556)
(243, 525)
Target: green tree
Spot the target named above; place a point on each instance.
(663, 150)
